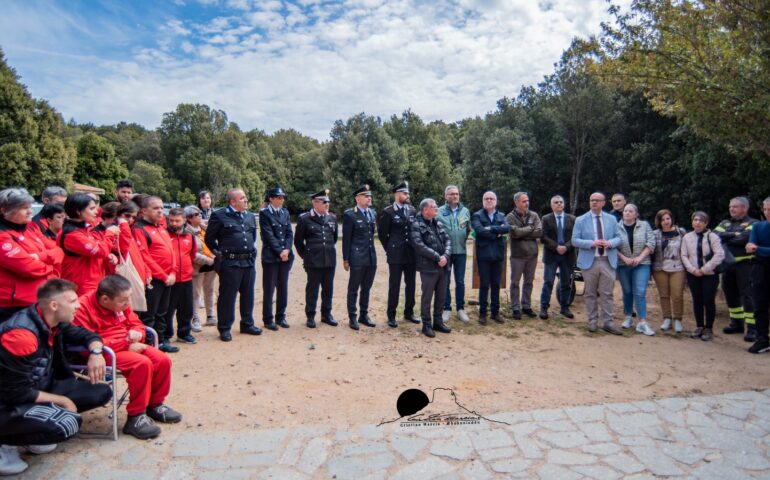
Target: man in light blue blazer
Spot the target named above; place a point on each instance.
(596, 237)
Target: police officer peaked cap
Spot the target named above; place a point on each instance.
(363, 190)
(402, 187)
(276, 192)
(323, 195)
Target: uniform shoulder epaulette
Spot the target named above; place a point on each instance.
(304, 214)
(350, 210)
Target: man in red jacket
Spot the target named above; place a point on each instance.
(147, 370)
(161, 259)
(181, 298)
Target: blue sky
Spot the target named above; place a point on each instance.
(272, 64)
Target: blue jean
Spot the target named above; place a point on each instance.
(456, 264)
(633, 281)
(564, 265)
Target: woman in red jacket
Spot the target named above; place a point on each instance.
(25, 261)
(85, 251)
(127, 214)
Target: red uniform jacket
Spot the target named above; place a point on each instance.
(84, 255)
(20, 273)
(100, 231)
(129, 245)
(111, 326)
(185, 248)
(159, 255)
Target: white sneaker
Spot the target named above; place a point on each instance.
(678, 328)
(463, 316)
(628, 322)
(445, 315)
(10, 461)
(196, 325)
(39, 449)
(666, 324)
(644, 327)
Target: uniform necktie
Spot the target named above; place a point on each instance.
(559, 231)
(600, 232)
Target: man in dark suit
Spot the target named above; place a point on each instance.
(277, 258)
(558, 254)
(358, 255)
(393, 230)
(315, 241)
(232, 236)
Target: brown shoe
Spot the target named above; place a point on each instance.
(697, 332)
(610, 328)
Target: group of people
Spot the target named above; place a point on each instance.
(81, 273)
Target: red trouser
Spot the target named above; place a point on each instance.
(148, 375)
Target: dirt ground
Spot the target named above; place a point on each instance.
(331, 376)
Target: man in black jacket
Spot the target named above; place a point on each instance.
(393, 230)
(315, 240)
(232, 236)
(277, 258)
(491, 227)
(358, 254)
(432, 248)
(557, 254)
(39, 396)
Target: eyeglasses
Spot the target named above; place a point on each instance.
(596, 200)
(488, 199)
(559, 201)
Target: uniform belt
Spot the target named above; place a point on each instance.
(238, 256)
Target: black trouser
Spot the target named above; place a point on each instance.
(760, 281)
(323, 278)
(360, 278)
(157, 305)
(736, 283)
(275, 276)
(704, 292)
(394, 287)
(489, 285)
(433, 285)
(46, 423)
(180, 302)
(232, 281)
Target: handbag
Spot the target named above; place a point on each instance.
(127, 269)
(728, 261)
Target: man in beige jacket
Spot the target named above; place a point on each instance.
(525, 230)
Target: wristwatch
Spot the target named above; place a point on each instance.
(96, 351)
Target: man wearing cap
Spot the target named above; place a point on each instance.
(277, 258)
(315, 240)
(358, 254)
(393, 230)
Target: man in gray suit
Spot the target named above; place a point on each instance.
(596, 237)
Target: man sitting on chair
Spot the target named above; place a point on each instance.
(147, 369)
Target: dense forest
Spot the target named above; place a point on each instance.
(669, 105)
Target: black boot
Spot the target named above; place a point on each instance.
(751, 333)
(310, 322)
(427, 330)
(736, 326)
(353, 323)
(438, 325)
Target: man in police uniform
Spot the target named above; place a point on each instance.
(277, 258)
(393, 230)
(232, 236)
(358, 254)
(315, 241)
(736, 280)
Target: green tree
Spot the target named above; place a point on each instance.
(150, 179)
(97, 164)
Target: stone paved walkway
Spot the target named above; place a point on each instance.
(720, 437)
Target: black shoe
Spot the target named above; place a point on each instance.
(697, 332)
(353, 324)
(482, 319)
(283, 323)
(252, 330)
(392, 323)
(365, 320)
(311, 323)
(270, 326)
(329, 321)
(427, 330)
(762, 345)
(165, 346)
(440, 327)
(751, 333)
(141, 426)
(412, 318)
(529, 312)
(544, 314)
(225, 337)
(706, 335)
(517, 314)
(164, 413)
(496, 317)
(187, 339)
(565, 312)
(736, 326)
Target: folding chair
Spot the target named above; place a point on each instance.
(111, 378)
